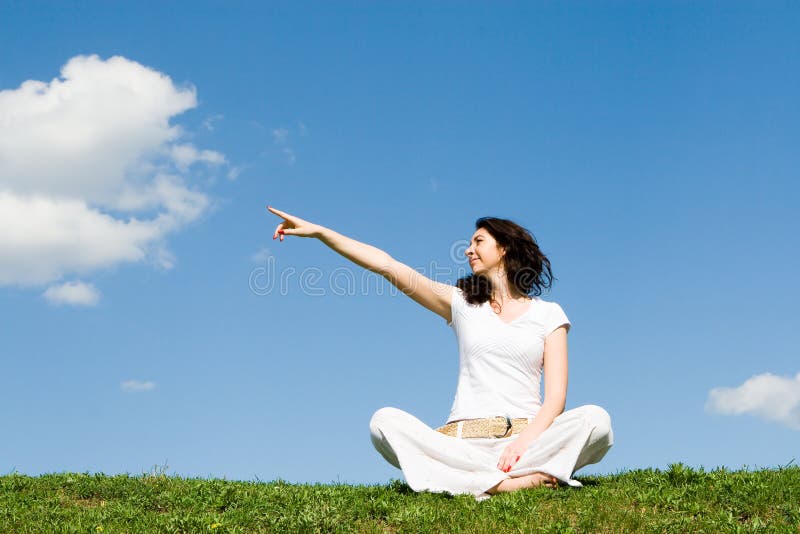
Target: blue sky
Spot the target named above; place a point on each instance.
(650, 147)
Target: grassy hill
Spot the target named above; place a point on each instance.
(680, 499)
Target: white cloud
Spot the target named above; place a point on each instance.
(280, 134)
(261, 256)
(290, 156)
(137, 386)
(186, 155)
(208, 123)
(92, 173)
(234, 172)
(75, 293)
(767, 396)
(280, 138)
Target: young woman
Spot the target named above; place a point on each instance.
(499, 435)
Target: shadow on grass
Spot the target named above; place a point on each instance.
(402, 488)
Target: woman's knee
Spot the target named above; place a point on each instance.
(382, 417)
(598, 418)
(380, 420)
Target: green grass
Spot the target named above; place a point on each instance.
(680, 499)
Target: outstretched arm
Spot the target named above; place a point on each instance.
(431, 294)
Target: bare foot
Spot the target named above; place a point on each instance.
(528, 481)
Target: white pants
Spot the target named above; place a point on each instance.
(432, 461)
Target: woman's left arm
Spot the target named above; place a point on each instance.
(555, 398)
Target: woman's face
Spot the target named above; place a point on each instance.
(483, 252)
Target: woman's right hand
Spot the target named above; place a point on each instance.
(292, 225)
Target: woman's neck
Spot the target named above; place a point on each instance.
(501, 292)
(502, 295)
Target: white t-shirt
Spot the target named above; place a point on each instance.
(500, 364)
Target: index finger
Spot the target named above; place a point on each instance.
(279, 212)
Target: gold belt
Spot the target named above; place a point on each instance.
(493, 427)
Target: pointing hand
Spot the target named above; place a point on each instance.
(292, 225)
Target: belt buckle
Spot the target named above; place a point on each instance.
(508, 427)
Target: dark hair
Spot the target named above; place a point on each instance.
(527, 268)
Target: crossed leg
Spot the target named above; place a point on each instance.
(434, 462)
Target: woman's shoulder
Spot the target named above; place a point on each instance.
(459, 296)
(547, 305)
(547, 301)
(461, 300)
(553, 314)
